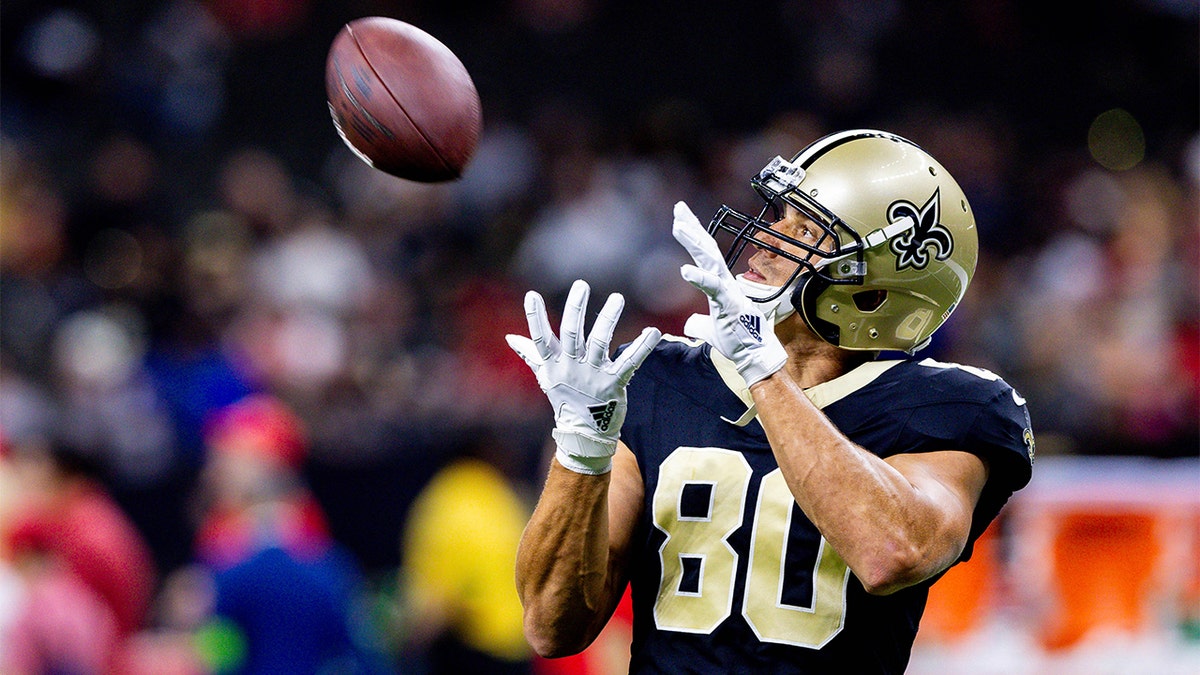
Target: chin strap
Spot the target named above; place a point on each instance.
(774, 310)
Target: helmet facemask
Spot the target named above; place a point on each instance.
(736, 230)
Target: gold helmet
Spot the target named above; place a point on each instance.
(898, 244)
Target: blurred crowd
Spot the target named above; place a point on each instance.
(231, 352)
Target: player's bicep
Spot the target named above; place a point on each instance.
(949, 484)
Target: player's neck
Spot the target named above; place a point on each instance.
(812, 360)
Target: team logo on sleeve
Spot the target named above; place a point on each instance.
(912, 248)
(602, 414)
(1027, 437)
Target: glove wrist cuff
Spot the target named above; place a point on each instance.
(771, 360)
(584, 454)
(590, 466)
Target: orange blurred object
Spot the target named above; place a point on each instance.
(1104, 572)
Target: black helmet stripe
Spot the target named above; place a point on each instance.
(823, 145)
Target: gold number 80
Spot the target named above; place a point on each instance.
(701, 544)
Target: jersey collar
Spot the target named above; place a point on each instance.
(821, 395)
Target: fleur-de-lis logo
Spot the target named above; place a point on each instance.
(912, 248)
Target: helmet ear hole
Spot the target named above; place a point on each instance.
(869, 301)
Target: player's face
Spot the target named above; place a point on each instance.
(768, 267)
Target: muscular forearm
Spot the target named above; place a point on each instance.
(892, 531)
(563, 563)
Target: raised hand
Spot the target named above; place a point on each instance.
(585, 387)
(740, 331)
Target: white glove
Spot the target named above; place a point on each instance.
(739, 330)
(585, 387)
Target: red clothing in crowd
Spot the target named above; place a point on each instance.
(97, 541)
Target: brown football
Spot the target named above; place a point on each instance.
(401, 100)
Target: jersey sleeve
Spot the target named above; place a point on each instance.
(1001, 434)
(974, 411)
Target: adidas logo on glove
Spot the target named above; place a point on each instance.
(602, 414)
(751, 322)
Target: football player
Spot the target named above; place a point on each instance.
(778, 489)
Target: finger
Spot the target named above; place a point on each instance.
(540, 332)
(695, 239)
(572, 321)
(710, 260)
(602, 330)
(637, 351)
(686, 228)
(526, 349)
(707, 282)
(683, 213)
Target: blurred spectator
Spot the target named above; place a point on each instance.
(28, 413)
(68, 513)
(306, 284)
(194, 372)
(112, 404)
(1112, 282)
(460, 606)
(109, 400)
(590, 228)
(477, 380)
(285, 596)
(58, 624)
(84, 576)
(37, 286)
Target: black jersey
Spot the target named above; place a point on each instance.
(728, 574)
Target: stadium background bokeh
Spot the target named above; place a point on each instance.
(181, 226)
